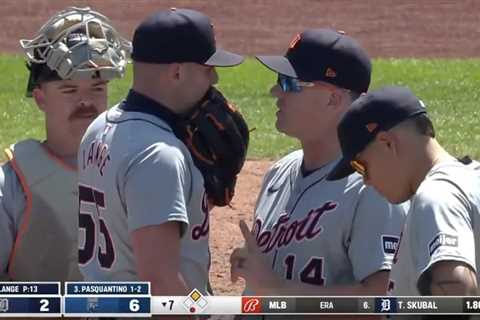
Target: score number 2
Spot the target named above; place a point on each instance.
(44, 305)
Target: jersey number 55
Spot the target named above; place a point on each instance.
(92, 224)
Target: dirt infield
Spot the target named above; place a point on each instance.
(387, 28)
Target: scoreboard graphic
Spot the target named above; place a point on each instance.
(134, 299)
(110, 299)
(24, 299)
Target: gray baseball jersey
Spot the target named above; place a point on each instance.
(324, 232)
(38, 213)
(443, 224)
(134, 172)
(12, 207)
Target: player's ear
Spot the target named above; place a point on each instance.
(176, 72)
(38, 95)
(336, 99)
(388, 141)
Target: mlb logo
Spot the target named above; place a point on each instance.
(251, 305)
(390, 244)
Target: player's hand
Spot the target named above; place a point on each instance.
(250, 264)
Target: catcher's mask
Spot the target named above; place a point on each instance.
(76, 43)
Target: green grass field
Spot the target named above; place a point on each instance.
(449, 88)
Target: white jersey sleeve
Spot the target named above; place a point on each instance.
(442, 225)
(441, 228)
(156, 186)
(375, 234)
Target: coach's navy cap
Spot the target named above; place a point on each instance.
(325, 55)
(373, 112)
(179, 35)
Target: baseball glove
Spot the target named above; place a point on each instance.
(217, 136)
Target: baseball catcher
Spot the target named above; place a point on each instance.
(70, 59)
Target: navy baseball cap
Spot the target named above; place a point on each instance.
(179, 35)
(324, 55)
(373, 112)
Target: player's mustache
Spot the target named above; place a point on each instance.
(83, 112)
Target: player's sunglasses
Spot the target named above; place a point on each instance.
(289, 84)
(359, 167)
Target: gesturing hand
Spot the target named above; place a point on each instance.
(250, 264)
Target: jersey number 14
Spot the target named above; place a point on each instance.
(311, 273)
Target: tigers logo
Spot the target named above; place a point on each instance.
(330, 73)
(294, 42)
(371, 126)
(251, 305)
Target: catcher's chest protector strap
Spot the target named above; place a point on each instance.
(137, 102)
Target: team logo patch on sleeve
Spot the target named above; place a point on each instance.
(389, 244)
(442, 239)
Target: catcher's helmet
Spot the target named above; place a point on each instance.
(76, 43)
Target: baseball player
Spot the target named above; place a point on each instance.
(144, 212)
(316, 237)
(71, 59)
(439, 248)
